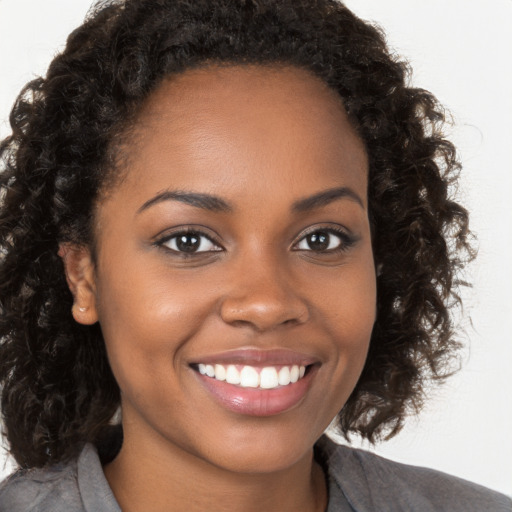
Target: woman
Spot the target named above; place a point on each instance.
(223, 225)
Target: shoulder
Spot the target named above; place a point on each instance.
(367, 479)
(38, 490)
(79, 486)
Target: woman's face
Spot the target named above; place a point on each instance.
(237, 242)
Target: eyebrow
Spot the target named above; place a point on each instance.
(216, 204)
(324, 198)
(199, 200)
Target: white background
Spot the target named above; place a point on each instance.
(460, 50)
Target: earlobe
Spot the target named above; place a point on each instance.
(79, 268)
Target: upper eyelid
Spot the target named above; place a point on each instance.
(330, 228)
(168, 233)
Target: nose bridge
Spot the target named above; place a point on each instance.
(262, 292)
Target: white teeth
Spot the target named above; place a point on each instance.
(232, 375)
(250, 377)
(220, 372)
(284, 376)
(268, 378)
(294, 373)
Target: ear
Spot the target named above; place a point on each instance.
(79, 267)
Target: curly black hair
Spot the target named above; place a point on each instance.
(58, 391)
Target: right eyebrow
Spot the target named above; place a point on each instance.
(197, 199)
(325, 197)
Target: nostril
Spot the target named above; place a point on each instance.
(264, 312)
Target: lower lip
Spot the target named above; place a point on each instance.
(256, 401)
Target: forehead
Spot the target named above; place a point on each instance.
(236, 129)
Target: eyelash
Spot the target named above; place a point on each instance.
(162, 242)
(345, 241)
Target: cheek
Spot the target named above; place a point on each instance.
(348, 309)
(347, 300)
(146, 322)
(133, 294)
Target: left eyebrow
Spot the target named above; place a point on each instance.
(199, 200)
(324, 198)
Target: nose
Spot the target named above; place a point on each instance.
(261, 296)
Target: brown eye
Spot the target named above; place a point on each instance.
(318, 241)
(190, 243)
(321, 241)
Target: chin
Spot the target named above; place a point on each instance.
(258, 450)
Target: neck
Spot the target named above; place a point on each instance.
(155, 475)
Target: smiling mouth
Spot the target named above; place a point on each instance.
(256, 382)
(246, 376)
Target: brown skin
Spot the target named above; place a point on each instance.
(260, 139)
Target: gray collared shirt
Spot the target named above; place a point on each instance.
(358, 482)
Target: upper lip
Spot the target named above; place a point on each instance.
(257, 357)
